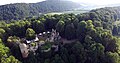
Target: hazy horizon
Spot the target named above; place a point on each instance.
(91, 2)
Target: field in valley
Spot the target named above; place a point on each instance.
(68, 12)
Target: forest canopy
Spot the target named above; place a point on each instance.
(87, 38)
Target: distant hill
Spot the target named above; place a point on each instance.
(21, 10)
(107, 13)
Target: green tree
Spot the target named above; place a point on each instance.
(72, 58)
(10, 59)
(109, 42)
(30, 34)
(60, 27)
(57, 59)
(89, 25)
(70, 31)
(88, 42)
(2, 33)
(97, 53)
(97, 24)
(38, 26)
(47, 61)
(12, 40)
(93, 16)
(64, 54)
(5, 55)
(19, 26)
(112, 57)
(115, 30)
(81, 31)
(79, 52)
(3, 50)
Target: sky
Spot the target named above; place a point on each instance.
(99, 2)
(94, 2)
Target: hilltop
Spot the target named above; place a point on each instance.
(19, 11)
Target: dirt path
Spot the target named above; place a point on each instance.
(65, 41)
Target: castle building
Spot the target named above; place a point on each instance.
(24, 50)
